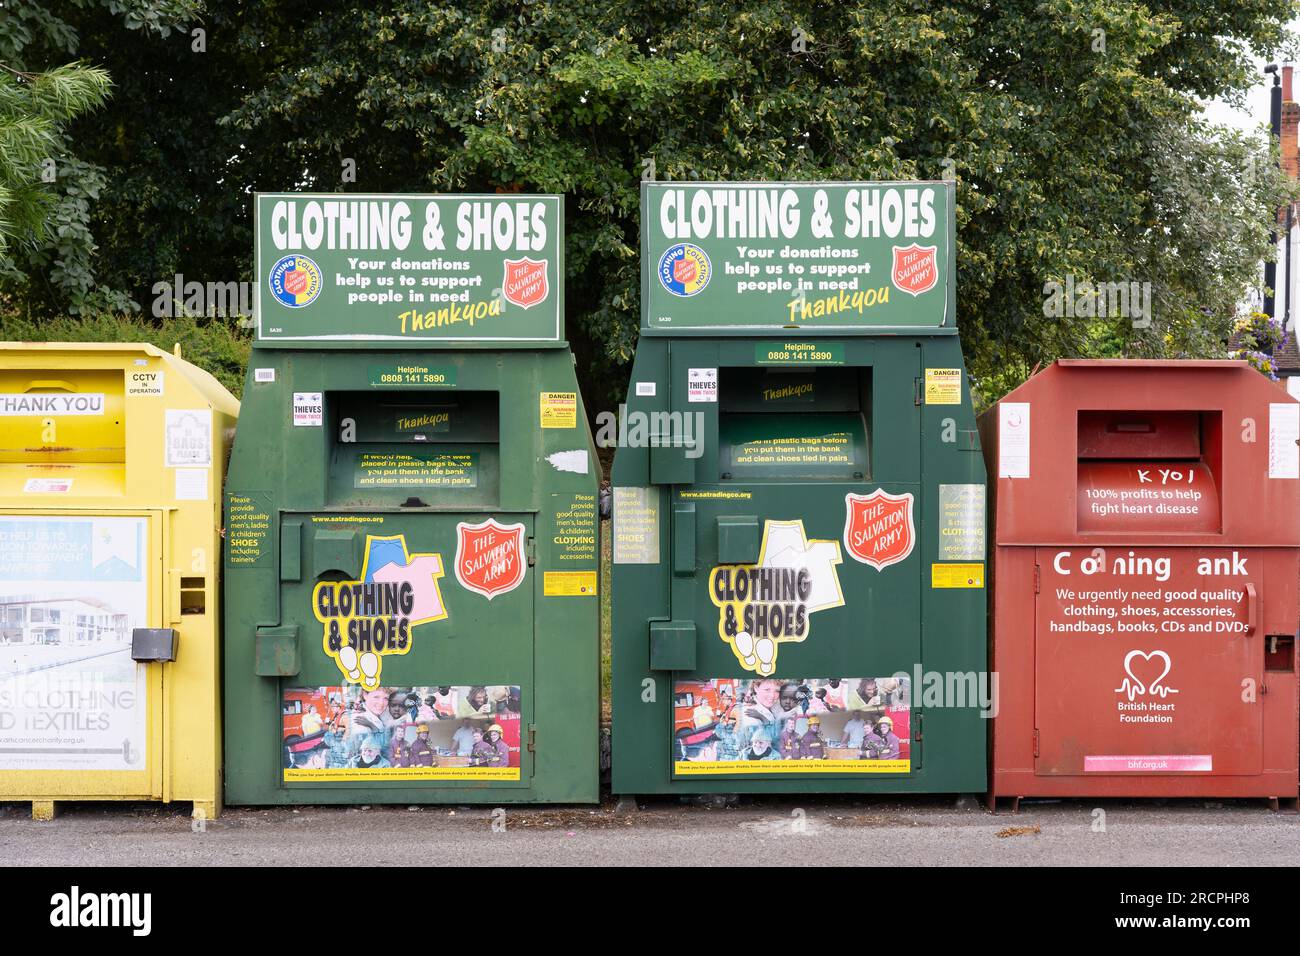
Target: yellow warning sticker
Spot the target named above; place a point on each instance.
(569, 583)
(943, 386)
(957, 575)
(559, 409)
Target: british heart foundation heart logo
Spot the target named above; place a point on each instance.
(1144, 673)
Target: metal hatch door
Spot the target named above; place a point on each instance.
(1135, 675)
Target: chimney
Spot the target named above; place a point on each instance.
(1290, 125)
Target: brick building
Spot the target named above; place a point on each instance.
(1284, 304)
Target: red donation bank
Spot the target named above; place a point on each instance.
(1147, 533)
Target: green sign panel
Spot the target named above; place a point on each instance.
(419, 374)
(791, 352)
(409, 270)
(802, 256)
(431, 470)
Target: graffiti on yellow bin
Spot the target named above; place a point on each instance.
(764, 605)
(366, 620)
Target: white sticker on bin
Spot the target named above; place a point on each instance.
(702, 385)
(47, 486)
(1283, 435)
(308, 408)
(191, 484)
(1013, 440)
(188, 438)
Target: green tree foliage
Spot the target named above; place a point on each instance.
(34, 109)
(47, 187)
(1070, 125)
(221, 346)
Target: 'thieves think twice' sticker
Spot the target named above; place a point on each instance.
(366, 620)
(764, 605)
(308, 409)
(702, 385)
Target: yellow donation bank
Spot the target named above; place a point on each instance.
(111, 465)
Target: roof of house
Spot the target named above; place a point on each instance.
(1286, 357)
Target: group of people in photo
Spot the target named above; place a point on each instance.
(773, 719)
(351, 728)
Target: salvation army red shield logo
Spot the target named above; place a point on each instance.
(685, 271)
(916, 268)
(490, 557)
(878, 528)
(525, 283)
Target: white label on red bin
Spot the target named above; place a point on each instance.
(1013, 439)
(1284, 440)
(1149, 763)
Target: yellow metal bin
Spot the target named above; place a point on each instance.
(111, 465)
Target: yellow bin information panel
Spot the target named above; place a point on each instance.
(111, 461)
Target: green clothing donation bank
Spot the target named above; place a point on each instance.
(798, 499)
(411, 529)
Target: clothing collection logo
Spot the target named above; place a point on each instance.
(685, 270)
(295, 281)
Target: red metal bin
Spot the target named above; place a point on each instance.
(1146, 520)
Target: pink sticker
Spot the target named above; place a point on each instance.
(1152, 763)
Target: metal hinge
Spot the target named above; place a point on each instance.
(532, 738)
(1038, 579)
(532, 551)
(1035, 741)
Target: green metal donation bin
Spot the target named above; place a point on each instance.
(411, 511)
(798, 499)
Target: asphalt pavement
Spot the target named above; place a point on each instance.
(915, 832)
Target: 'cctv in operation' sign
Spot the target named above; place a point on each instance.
(809, 256)
(409, 270)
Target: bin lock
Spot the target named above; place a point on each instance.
(276, 651)
(672, 645)
(153, 645)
